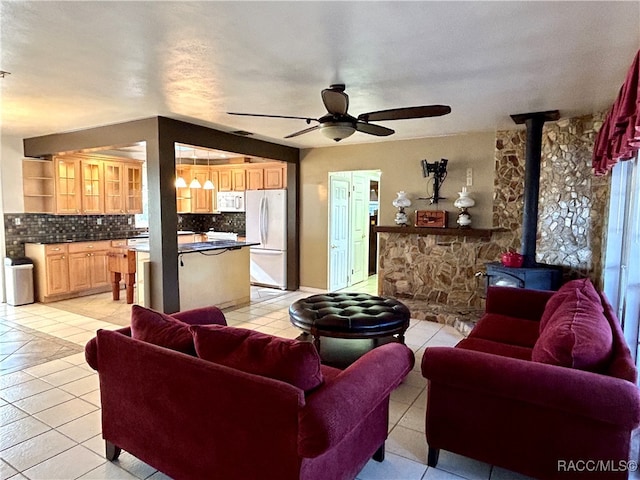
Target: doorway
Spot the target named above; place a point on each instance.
(353, 205)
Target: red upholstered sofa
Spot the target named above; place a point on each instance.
(544, 385)
(193, 418)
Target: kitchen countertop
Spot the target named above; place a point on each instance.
(201, 246)
(93, 237)
(108, 236)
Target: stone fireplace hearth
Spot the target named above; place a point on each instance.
(435, 274)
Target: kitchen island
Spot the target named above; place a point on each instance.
(209, 273)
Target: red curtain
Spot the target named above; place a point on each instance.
(619, 137)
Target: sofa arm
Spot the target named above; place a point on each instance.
(517, 302)
(573, 392)
(338, 407)
(201, 316)
(91, 348)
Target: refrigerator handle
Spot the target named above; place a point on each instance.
(261, 221)
(265, 222)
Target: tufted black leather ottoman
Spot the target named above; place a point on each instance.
(349, 315)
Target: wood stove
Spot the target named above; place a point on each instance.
(540, 277)
(534, 275)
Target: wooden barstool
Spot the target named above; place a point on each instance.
(122, 261)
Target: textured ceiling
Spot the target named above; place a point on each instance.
(81, 64)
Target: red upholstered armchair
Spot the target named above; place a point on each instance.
(531, 390)
(194, 419)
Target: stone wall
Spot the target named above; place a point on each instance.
(573, 202)
(433, 268)
(428, 270)
(508, 183)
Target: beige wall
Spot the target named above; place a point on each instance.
(399, 163)
(10, 189)
(11, 175)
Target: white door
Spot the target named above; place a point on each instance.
(359, 227)
(338, 232)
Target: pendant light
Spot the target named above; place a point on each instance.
(180, 183)
(208, 185)
(194, 183)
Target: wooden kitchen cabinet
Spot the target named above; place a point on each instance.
(92, 187)
(183, 194)
(122, 187)
(215, 179)
(79, 271)
(113, 188)
(133, 188)
(197, 200)
(119, 243)
(225, 180)
(88, 265)
(201, 199)
(255, 178)
(67, 181)
(38, 185)
(238, 179)
(68, 270)
(266, 176)
(274, 177)
(232, 179)
(51, 269)
(57, 267)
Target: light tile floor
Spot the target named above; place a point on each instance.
(50, 409)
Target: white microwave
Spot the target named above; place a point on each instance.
(231, 201)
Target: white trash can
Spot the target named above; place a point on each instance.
(18, 274)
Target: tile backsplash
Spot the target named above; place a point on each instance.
(21, 228)
(223, 222)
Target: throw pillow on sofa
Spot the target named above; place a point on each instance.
(291, 361)
(161, 329)
(585, 287)
(577, 335)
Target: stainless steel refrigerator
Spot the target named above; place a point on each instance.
(266, 212)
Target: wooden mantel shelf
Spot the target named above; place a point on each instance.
(460, 232)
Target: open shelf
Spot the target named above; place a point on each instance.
(38, 184)
(460, 232)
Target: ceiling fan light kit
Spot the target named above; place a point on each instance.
(338, 124)
(337, 131)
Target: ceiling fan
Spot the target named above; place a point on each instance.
(337, 124)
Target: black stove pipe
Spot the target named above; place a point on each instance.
(533, 151)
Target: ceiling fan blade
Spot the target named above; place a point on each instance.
(307, 119)
(404, 113)
(335, 100)
(372, 129)
(301, 132)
